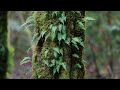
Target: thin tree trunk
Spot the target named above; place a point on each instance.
(3, 44)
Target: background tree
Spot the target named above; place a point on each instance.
(6, 52)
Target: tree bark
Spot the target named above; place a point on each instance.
(3, 44)
(6, 51)
(40, 71)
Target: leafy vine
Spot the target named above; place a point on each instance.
(56, 31)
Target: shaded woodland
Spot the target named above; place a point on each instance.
(59, 44)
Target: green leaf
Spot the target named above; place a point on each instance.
(29, 20)
(59, 37)
(54, 13)
(35, 35)
(46, 37)
(43, 33)
(54, 28)
(53, 32)
(76, 46)
(37, 40)
(56, 54)
(81, 25)
(77, 12)
(61, 20)
(30, 48)
(50, 27)
(46, 62)
(53, 61)
(54, 71)
(89, 19)
(64, 29)
(46, 52)
(83, 61)
(78, 40)
(64, 36)
(60, 27)
(25, 60)
(74, 42)
(28, 26)
(61, 51)
(58, 68)
(57, 50)
(64, 66)
(82, 44)
(76, 56)
(67, 41)
(63, 16)
(78, 65)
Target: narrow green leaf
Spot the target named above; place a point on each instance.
(57, 50)
(76, 56)
(30, 48)
(53, 32)
(50, 27)
(25, 60)
(64, 36)
(83, 61)
(43, 33)
(46, 37)
(37, 40)
(28, 26)
(53, 61)
(63, 16)
(60, 27)
(89, 19)
(61, 51)
(29, 20)
(58, 68)
(61, 20)
(64, 66)
(78, 40)
(59, 37)
(74, 42)
(67, 41)
(35, 35)
(54, 71)
(46, 62)
(78, 65)
(81, 25)
(76, 46)
(55, 54)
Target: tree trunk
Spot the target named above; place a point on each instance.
(6, 51)
(42, 71)
(3, 44)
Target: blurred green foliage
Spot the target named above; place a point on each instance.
(103, 42)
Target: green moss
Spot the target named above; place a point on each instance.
(40, 70)
(10, 60)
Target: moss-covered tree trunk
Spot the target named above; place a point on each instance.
(74, 64)
(3, 44)
(6, 51)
